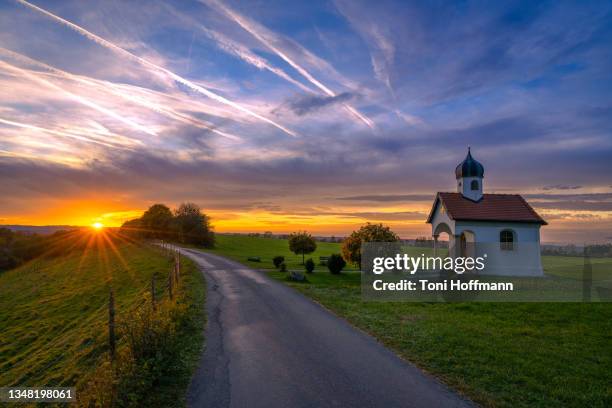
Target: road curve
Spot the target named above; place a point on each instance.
(269, 346)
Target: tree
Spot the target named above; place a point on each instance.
(156, 222)
(335, 264)
(193, 227)
(351, 246)
(302, 243)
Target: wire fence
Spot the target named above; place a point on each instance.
(170, 285)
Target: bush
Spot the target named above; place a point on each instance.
(278, 260)
(335, 263)
(309, 265)
(282, 267)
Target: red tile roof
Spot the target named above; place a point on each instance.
(492, 207)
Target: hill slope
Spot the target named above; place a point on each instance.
(54, 312)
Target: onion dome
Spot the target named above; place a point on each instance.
(469, 167)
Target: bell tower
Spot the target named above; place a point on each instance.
(469, 174)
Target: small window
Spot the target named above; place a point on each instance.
(506, 240)
(474, 185)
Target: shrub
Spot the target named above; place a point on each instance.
(309, 265)
(282, 267)
(278, 260)
(335, 263)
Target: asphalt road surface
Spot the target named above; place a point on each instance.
(269, 346)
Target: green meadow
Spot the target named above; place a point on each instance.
(241, 247)
(54, 317)
(497, 354)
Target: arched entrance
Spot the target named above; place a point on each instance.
(441, 228)
(467, 244)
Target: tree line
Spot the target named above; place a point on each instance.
(186, 224)
(17, 248)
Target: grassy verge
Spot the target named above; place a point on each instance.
(498, 354)
(53, 323)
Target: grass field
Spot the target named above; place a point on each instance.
(498, 354)
(240, 247)
(53, 315)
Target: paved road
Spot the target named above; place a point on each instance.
(269, 346)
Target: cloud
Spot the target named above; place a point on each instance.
(390, 216)
(133, 94)
(310, 103)
(382, 48)
(574, 205)
(63, 134)
(561, 187)
(239, 50)
(570, 197)
(572, 217)
(277, 44)
(79, 99)
(389, 198)
(191, 85)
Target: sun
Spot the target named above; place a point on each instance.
(97, 226)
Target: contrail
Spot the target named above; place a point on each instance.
(241, 51)
(69, 161)
(78, 98)
(169, 112)
(116, 89)
(238, 19)
(60, 133)
(107, 44)
(249, 57)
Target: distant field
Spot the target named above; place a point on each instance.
(240, 247)
(499, 354)
(53, 313)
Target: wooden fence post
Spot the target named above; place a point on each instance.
(176, 267)
(170, 285)
(153, 291)
(111, 324)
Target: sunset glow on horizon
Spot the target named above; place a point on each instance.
(315, 116)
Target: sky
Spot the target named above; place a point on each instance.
(319, 115)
